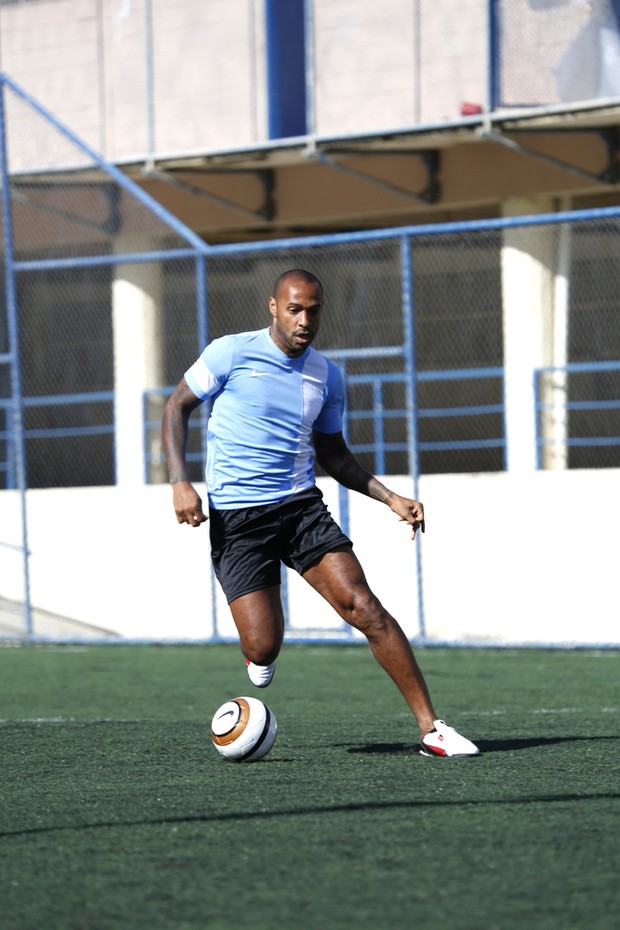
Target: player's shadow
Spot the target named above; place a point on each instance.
(492, 745)
(210, 817)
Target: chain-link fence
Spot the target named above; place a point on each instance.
(557, 51)
(466, 348)
(67, 338)
(90, 276)
(466, 289)
(78, 243)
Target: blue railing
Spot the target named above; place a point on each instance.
(378, 414)
(198, 422)
(463, 374)
(51, 432)
(563, 404)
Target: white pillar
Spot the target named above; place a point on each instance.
(527, 292)
(554, 386)
(136, 313)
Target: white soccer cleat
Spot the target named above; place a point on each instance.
(260, 675)
(445, 741)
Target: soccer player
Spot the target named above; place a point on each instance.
(277, 404)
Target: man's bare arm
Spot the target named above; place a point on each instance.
(336, 458)
(174, 430)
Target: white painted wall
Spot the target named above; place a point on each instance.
(391, 64)
(87, 62)
(507, 558)
(376, 66)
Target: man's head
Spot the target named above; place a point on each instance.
(295, 308)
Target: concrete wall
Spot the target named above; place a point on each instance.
(504, 558)
(192, 75)
(88, 62)
(376, 65)
(397, 63)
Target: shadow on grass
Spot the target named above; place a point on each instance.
(495, 745)
(363, 806)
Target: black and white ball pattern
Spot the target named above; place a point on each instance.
(244, 729)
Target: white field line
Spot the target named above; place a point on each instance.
(538, 710)
(572, 710)
(39, 721)
(55, 720)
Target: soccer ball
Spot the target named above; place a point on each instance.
(244, 729)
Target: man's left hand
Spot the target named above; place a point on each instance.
(409, 511)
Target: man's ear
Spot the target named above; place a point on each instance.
(272, 306)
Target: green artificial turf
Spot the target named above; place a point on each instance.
(116, 811)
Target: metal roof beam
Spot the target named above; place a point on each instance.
(266, 212)
(430, 160)
(607, 178)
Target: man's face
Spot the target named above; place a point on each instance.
(296, 313)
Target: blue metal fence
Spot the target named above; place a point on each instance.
(151, 219)
(378, 414)
(62, 402)
(586, 437)
(415, 323)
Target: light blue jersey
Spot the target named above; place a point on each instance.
(265, 406)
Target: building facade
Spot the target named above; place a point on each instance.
(257, 118)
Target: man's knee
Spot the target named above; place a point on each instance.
(260, 623)
(261, 656)
(366, 612)
(260, 646)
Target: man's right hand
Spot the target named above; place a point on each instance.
(187, 504)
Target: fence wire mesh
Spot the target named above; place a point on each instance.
(77, 239)
(558, 51)
(461, 346)
(459, 284)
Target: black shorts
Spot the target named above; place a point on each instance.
(248, 545)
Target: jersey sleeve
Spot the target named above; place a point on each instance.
(330, 418)
(209, 372)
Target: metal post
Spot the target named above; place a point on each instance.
(309, 67)
(150, 94)
(343, 493)
(13, 339)
(112, 171)
(559, 378)
(493, 56)
(286, 66)
(378, 427)
(417, 63)
(406, 263)
(202, 334)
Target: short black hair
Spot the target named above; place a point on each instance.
(296, 273)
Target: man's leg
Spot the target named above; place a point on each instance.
(259, 620)
(339, 578)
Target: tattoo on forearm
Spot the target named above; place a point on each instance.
(353, 476)
(378, 491)
(174, 437)
(339, 462)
